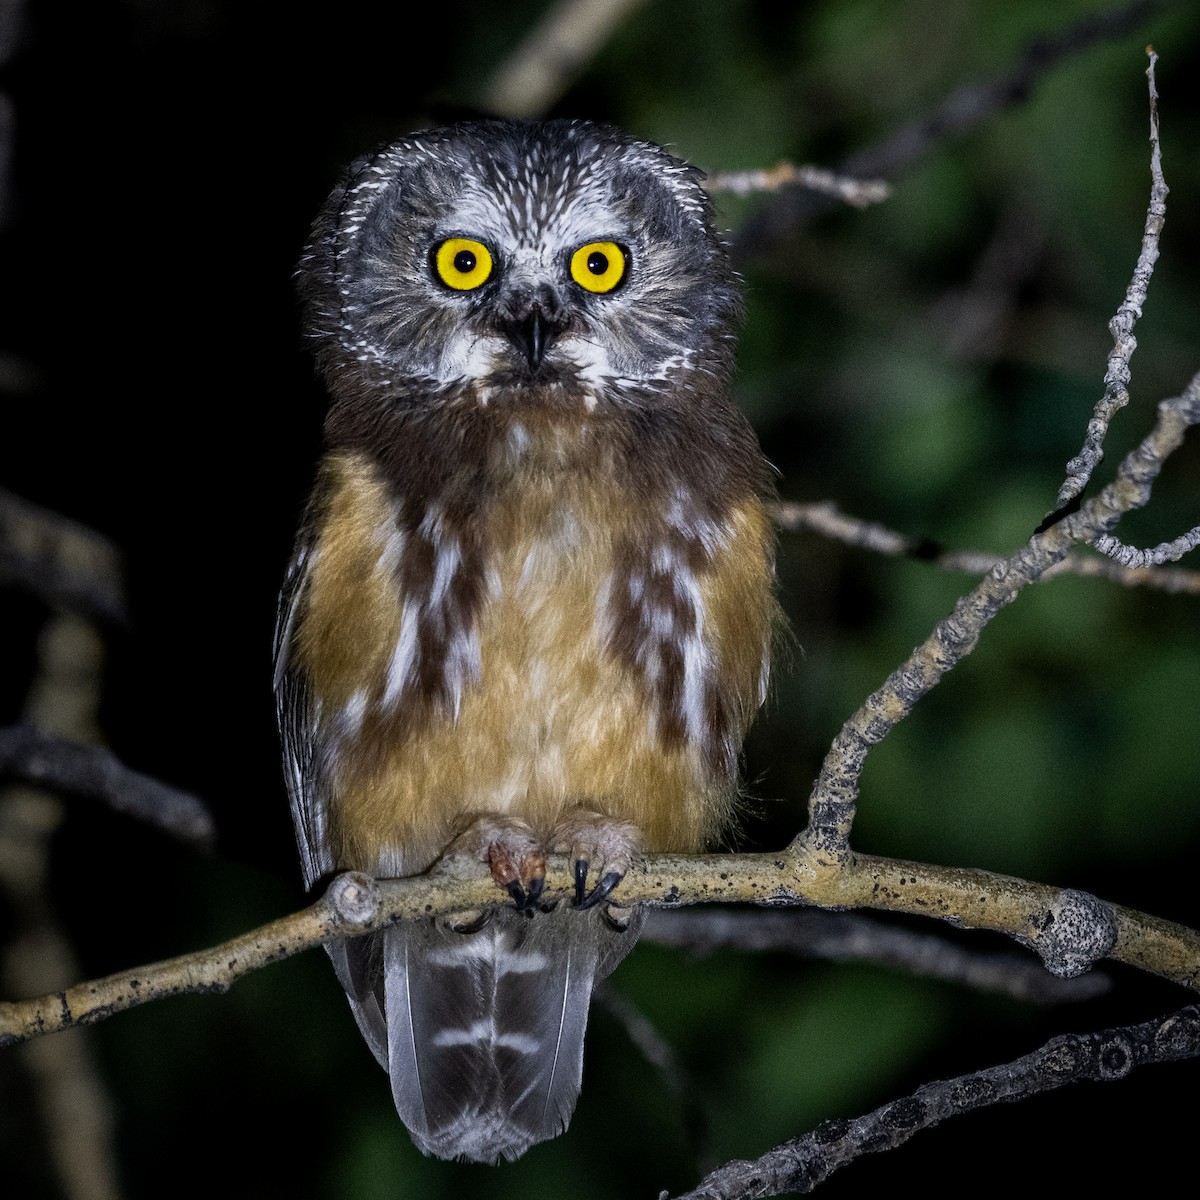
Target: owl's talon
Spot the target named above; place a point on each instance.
(469, 923)
(513, 855)
(602, 890)
(617, 917)
(581, 874)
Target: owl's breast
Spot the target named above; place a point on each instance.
(563, 647)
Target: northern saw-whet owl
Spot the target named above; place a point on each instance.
(531, 603)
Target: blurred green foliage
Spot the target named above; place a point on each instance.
(882, 373)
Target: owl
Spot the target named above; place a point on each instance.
(531, 603)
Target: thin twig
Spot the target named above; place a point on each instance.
(35, 756)
(861, 193)
(826, 519)
(803, 1163)
(833, 800)
(834, 797)
(1117, 376)
(660, 1054)
(1132, 557)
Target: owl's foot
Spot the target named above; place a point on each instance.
(599, 846)
(512, 852)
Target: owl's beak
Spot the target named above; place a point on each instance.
(533, 334)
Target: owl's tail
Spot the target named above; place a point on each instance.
(482, 1033)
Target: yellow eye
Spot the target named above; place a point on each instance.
(598, 266)
(462, 263)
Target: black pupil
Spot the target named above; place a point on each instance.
(597, 262)
(464, 262)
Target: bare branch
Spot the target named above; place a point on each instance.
(1130, 556)
(833, 800)
(69, 1098)
(350, 905)
(1069, 930)
(965, 108)
(832, 803)
(855, 937)
(861, 193)
(35, 756)
(1117, 376)
(800, 1165)
(63, 562)
(556, 50)
(825, 518)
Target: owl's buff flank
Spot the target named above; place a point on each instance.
(531, 604)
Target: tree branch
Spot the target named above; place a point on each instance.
(555, 51)
(660, 1054)
(1117, 376)
(833, 800)
(1130, 556)
(861, 193)
(59, 560)
(832, 803)
(800, 1165)
(855, 937)
(963, 109)
(32, 755)
(826, 519)
(1069, 930)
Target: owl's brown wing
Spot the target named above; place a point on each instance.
(294, 714)
(352, 957)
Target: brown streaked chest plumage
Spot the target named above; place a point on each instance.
(537, 636)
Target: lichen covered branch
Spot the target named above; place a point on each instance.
(803, 1163)
(1117, 375)
(1069, 930)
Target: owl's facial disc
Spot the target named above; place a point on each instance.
(525, 315)
(496, 256)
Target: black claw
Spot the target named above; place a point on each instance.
(517, 892)
(476, 925)
(602, 890)
(581, 872)
(612, 922)
(535, 890)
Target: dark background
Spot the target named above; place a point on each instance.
(166, 162)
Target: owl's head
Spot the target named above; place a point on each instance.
(494, 254)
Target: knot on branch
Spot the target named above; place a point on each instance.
(1114, 1056)
(1178, 1035)
(1064, 1057)
(1077, 930)
(904, 1115)
(354, 899)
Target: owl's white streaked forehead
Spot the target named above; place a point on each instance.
(560, 181)
(529, 207)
